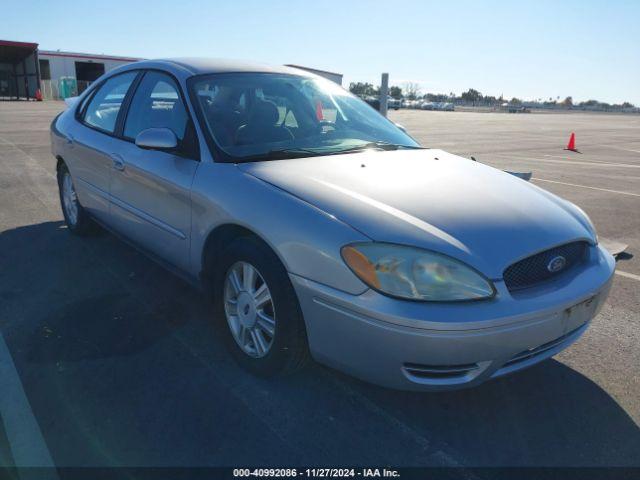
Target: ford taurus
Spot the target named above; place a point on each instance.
(321, 229)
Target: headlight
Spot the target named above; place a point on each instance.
(415, 274)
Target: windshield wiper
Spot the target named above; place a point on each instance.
(288, 153)
(282, 154)
(378, 145)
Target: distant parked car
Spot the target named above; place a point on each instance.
(319, 228)
(373, 101)
(441, 106)
(511, 108)
(393, 103)
(427, 106)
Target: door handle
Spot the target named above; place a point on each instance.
(118, 162)
(70, 139)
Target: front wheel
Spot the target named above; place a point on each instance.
(75, 216)
(257, 310)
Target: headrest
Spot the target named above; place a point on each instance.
(264, 112)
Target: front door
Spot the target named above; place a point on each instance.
(150, 189)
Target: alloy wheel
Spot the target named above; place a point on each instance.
(69, 199)
(249, 309)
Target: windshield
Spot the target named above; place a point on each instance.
(262, 116)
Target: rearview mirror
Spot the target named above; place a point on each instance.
(157, 139)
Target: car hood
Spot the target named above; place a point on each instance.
(432, 199)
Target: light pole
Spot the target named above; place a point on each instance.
(384, 93)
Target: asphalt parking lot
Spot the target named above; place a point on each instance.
(108, 360)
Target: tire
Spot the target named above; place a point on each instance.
(288, 350)
(76, 217)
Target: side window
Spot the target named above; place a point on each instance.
(156, 104)
(103, 108)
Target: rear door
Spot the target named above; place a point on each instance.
(151, 190)
(91, 140)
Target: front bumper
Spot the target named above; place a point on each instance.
(431, 346)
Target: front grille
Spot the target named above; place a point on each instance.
(534, 269)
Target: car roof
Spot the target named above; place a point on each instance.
(199, 66)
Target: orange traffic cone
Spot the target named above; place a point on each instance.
(571, 146)
(38, 95)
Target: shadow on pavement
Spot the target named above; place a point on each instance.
(78, 306)
(114, 316)
(547, 415)
(99, 327)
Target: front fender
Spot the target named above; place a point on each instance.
(306, 239)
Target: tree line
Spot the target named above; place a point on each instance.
(412, 91)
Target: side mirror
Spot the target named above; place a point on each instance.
(401, 127)
(157, 139)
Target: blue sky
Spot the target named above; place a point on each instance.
(530, 49)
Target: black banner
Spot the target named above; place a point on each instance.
(207, 473)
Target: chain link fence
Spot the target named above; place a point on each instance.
(63, 88)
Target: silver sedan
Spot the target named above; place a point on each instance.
(321, 230)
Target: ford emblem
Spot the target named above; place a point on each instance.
(556, 264)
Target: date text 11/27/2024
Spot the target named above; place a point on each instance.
(316, 472)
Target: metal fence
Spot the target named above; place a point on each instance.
(62, 88)
(49, 90)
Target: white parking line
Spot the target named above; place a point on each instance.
(586, 186)
(632, 276)
(622, 148)
(27, 444)
(568, 162)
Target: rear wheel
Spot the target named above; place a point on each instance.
(257, 310)
(75, 216)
